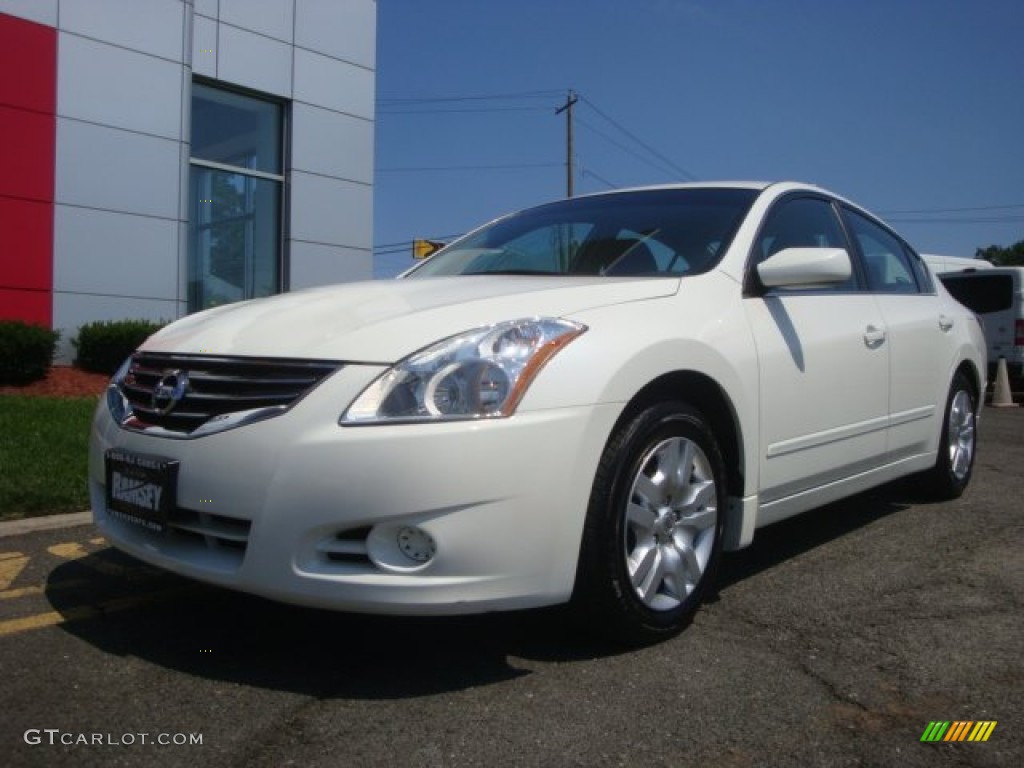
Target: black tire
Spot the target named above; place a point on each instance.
(957, 443)
(686, 513)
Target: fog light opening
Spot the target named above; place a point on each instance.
(416, 544)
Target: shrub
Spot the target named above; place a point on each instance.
(103, 345)
(26, 351)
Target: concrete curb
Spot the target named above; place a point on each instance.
(45, 523)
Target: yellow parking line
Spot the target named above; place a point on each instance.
(13, 563)
(11, 566)
(14, 626)
(11, 594)
(73, 550)
(77, 613)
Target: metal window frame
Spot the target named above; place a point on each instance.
(280, 178)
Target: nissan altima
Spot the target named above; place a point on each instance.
(584, 402)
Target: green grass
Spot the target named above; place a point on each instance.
(44, 449)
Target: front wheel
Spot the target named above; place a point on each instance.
(654, 525)
(957, 443)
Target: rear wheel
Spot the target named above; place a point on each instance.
(957, 443)
(654, 525)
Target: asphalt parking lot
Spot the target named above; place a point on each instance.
(835, 640)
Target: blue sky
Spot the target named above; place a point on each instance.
(912, 108)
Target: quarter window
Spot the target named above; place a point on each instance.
(236, 187)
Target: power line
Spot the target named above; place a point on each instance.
(969, 220)
(503, 167)
(473, 103)
(406, 248)
(602, 179)
(476, 97)
(429, 105)
(406, 245)
(458, 110)
(624, 148)
(956, 210)
(677, 168)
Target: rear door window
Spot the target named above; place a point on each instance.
(889, 266)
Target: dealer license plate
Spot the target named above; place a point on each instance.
(141, 488)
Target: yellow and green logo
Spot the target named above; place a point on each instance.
(958, 730)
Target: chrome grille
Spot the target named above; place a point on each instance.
(216, 387)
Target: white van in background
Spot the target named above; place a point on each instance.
(940, 264)
(996, 295)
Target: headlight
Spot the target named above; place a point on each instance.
(117, 403)
(481, 373)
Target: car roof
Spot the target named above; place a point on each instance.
(758, 186)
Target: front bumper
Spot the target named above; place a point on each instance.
(300, 509)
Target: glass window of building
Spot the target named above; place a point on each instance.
(236, 191)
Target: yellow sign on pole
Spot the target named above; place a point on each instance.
(421, 249)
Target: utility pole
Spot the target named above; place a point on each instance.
(567, 108)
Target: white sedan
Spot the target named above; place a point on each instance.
(585, 402)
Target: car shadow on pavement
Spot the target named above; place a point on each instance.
(127, 609)
(212, 633)
(789, 538)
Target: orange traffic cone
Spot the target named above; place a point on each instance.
(1001, 395)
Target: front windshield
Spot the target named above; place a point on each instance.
(650, 233)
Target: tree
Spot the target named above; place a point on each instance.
(1003, 257)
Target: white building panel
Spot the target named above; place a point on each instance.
(274, 18)
(72, 310)
(344, 29)
(113, 86)
(331, 211)
(204, 46)
(122, 160)
(332, 143)
(153, 27)
(327, 82)
(207, 8)
(255, 61)
(39, 11)
(115, 170)
(116, 254)
(315, 264)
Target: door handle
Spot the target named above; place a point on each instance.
(945, 322)
(874, 337)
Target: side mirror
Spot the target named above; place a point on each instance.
(805, 267)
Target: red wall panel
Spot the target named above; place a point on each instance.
(27, 306)
(28, 65)
(27, 151)
(26, 244)
(28, 127)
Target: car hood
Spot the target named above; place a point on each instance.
(383, 321)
